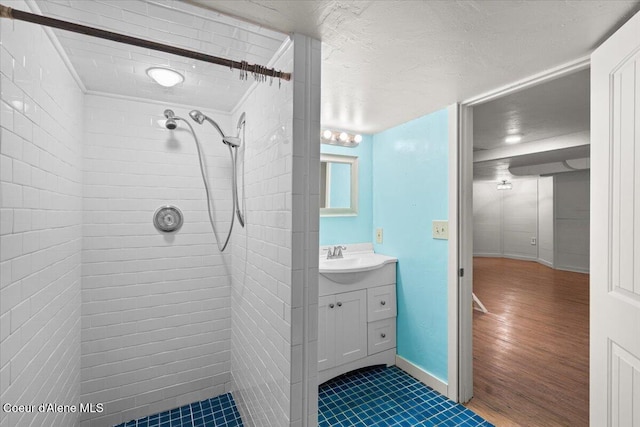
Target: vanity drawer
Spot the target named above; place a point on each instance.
(381, 335)
(381, 302)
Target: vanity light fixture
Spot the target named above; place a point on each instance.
(504, 185)
(165, 76)
(340, 138)
(513, 139)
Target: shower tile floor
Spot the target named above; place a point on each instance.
(383, 396)
(369, 397)
(219, 411)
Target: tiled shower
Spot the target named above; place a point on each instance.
(95, 304)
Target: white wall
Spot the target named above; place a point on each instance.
(553, 209)
(505, 220)
(269, 275)
(156, 312)
(545, 221)
(40, 211)
(572, 221)
(487, 219)
(520, 219)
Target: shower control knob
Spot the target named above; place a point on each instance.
(167, 219)
(383, 302)
(331, 305)
(339, 304)
(383, 335)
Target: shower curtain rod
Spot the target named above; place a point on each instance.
(7, 12)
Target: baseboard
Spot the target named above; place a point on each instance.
(488, 255)
(423, 376)
(520, 257)
(573, 269)
(546, 263)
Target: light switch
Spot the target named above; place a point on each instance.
(440, 229)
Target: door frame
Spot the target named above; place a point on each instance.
(461, 253)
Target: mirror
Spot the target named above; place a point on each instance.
(338, 185)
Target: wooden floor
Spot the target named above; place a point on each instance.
(531, 351)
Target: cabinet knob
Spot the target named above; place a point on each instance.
(331, 305)
(339, 304)
(383, 335)
(383, 302)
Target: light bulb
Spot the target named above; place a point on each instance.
(327, 134)
(358, 138)
(344, 136)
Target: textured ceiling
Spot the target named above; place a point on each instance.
(387, 62)
(111, 67)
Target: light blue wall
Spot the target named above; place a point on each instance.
(410, 190)
(352, 229)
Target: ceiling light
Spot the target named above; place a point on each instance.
(504, 185)
(165, 76)
(344, 139)
(512, 139)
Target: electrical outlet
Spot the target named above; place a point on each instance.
(378, 235)
(440, 229)
(534, 241)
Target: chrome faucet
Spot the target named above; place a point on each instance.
(329, 253)
(336, 252)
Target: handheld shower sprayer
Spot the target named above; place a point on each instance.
(197, 116)
(233, 142)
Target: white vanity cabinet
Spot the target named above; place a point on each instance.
(342, 328)
(356, 322)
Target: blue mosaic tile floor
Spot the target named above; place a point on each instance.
(388, 397)
(219, 411)
(373, 397)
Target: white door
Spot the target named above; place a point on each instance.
(326, 332)
(351, 326)
(615, 229)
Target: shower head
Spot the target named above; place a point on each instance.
(197, 116)
(171, 119)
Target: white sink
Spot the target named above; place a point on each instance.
(352, 266)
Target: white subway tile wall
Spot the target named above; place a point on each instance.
(41, 124)
(160, 320)
(306, 226)
(156, 314)
(275, 257)
(261, 286)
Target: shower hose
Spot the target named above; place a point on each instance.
(234, 190)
